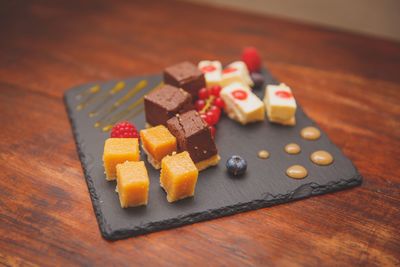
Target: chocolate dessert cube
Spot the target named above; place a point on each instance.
(185, 75)
(193, 135)
(163, 103)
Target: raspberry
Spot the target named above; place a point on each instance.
(124, 129)
(252, 58)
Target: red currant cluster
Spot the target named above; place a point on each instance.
(210, 106)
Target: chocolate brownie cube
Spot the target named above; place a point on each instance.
(193, 135)
(185, 75)
(163, 103)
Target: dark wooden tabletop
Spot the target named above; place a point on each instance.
(349, 84)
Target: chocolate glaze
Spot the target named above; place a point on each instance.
(185, 75)
(163, 103)
(192, 135)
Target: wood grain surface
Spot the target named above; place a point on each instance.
(349, 84)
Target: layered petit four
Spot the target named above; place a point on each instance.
(185, 75)
(212, 71)
(178, 176)
(163, 103)
(119, 150)
(236, 72)
(194, 135)
(157, 142)
(280, 104)
(241, 104)
(132, 184)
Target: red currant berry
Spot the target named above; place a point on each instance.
(219, 102)
(217, 112)
(203, 93)
(239, 94)
(213, 131)
(215, 90)
(200, 104)
(204, 117)
(211, 118)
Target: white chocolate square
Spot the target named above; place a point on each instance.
(236, 72)
(280, 104)
(212, 71)
(242, 104)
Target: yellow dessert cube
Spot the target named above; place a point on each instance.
(157, 142)
(119, 150)
(280, 104)
(178, 176)
(132, 183)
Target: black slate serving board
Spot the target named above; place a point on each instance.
(217, 194)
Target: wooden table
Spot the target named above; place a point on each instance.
(349, 84)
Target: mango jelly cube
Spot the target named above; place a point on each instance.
(158, 142)
(119, 150)
(132, 183)
(178, 176)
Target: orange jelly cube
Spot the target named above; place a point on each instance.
(119, 150)
(132, 183)
(178, 176)
(157, 142)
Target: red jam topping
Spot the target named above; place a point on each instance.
(239, 94)
(229, 70)
(209, 68)
(283, 94)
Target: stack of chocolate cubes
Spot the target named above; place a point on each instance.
(171, 105)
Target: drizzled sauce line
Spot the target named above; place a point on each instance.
(91, 90)
(131, 93)
(104, 97)
(108, 124)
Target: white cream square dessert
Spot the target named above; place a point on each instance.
(212, 71)
(241, 104)
(236, 72)
(280, 104)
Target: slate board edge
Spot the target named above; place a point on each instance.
(104, 229)
(303, 191)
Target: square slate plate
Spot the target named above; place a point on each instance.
(217, 194)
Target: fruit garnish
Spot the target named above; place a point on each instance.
(199, 104)
(204, 117)
(215, 90)
(124, 129)
(252, 59)
(239, 94)
(219, 102)
(229, 70)
(203, 93)
(236, 165)
(210, 118)
(210, 108)
(209, 68)
(283, 94)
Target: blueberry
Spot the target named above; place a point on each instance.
(258, 79)
(236, 165)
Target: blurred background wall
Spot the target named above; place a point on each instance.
(373, 17)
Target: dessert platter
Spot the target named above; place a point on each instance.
(197, 142)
